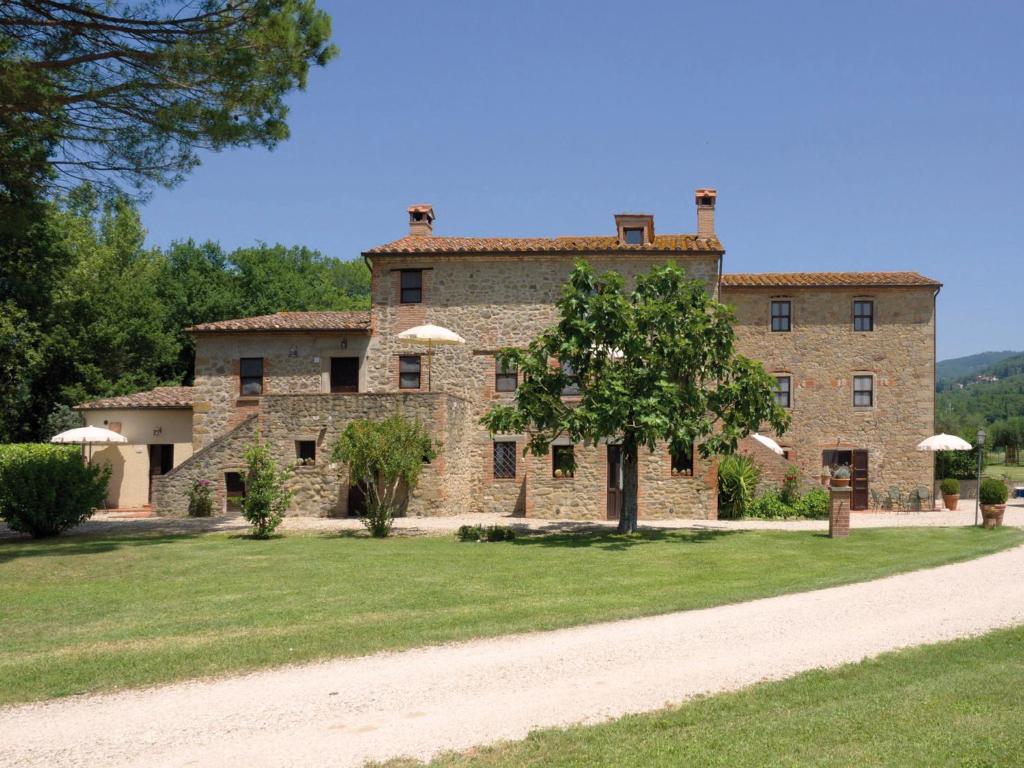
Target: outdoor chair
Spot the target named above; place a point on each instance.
(896, 499)
(877, 500)
(924, 499)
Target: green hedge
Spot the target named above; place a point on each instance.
(46, 489)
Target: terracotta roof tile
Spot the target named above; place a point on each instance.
(826, 279)
(436, 244)
(291, 321)
(161, 397)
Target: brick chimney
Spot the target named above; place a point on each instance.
(421, 220)
(706, 212)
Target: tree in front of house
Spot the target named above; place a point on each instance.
(384, 458)
(266, 496)
(644, 366)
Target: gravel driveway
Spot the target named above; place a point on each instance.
(415, 703)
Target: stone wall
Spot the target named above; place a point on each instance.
(822, 353)
(323, 488)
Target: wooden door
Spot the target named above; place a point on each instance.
(344, 374)
(614, 504)
(859, 480)
(161, 461)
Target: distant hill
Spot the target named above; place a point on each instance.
(971, 365)
(966, 402)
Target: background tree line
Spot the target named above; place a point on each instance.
(89, 311)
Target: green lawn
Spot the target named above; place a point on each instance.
(1016, 473)
(84, 614)
(956, 704)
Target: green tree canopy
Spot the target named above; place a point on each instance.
(125, 93)
(657, 363)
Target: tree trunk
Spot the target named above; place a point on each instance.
(630, 484)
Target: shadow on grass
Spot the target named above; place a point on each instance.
(15, 549)
(619, 541)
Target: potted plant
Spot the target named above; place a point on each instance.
(950, 488)
(992, 494)
(841, 476)
(825, 475)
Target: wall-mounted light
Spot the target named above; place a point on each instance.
(344, 343)
(293, 352)
(316, 359)
(158, 431)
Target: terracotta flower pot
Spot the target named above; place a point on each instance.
(992, 515)
(951, 500)
(840, 482)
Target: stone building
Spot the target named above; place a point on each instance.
(853, 354)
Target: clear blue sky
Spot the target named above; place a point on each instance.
(853, 136)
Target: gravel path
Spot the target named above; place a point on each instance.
(415, 703)
(110, 525)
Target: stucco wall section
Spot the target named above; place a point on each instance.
(822, 353)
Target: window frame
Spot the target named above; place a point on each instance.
(685, 471)
(402, 288)
(627, 231)
(299, 444)
(788, 391)
(418, 371)
(244, 378)
(787, 316)
(502, 376)
(870, 392)
(569, 390)
(510, 447)
(870, 316)
(556, 450)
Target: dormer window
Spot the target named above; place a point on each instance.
(633, 235)
(634, 228)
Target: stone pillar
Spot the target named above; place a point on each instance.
(839, 511)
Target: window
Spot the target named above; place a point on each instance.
(783, 386)
(250, 374)
(781, 316)
(863, 391)
(305, 451)
(506, 378)
(682, 461)
(412, 286)
(504, 460)
(573, 387)
(633, 235)
(409, 372)
(563, 461)
(863, 315)
(344, 374)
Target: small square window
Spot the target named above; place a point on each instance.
(682, 461)
(863, 315)
(412, 286)
(782, 312)
(563, 461)
(305, 451)
(783, 387)
(572, 388)
(633, 235)
(863, 391)
(504, 460)
(250, 375)
(409, 372)
(506, 378)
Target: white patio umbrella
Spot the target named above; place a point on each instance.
(768, 443)
(944, 442)
(89, 436)
(431, 335)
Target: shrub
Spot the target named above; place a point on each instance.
(791, 485)
(266, 499)
(993, 491)
(770, 506)
(384, 457)
(950, 487)
(200, 499)
(814, 504)
(738, 476)
(485, 533)
(46, 489)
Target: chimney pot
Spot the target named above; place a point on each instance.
(421, 220)
(705, 199)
